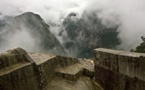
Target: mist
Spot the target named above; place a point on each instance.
(129, 15)
(51, 11)
(19, 39)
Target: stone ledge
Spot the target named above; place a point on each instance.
(75, 71)
(112, 66)
(14, 56)
(12, 68)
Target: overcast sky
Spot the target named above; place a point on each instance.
(129, 14)
(49, 9)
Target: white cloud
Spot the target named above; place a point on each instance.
(129, 14)
(50, 10)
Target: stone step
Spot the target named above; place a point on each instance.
(83, 83)
(72, 72)
(75, 71)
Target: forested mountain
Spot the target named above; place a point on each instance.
(85, 34)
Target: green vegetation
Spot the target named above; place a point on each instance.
(141, 47)
(87, 33)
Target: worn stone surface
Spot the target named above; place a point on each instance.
(16, 72)
(39, 71)
(83, 83)
(119, 70)
(46, 65)
(18, 77)
(12, 57)
(75, 71)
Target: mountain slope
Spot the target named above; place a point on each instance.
(87, 33)
(29, 31)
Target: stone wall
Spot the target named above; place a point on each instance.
(12, 57)
(46, 70)
(114, 70)
(23, 78)
(19, 71)
(16, 71)
(119, 70)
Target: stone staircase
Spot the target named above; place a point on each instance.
(77, 76)
(75, 71)
(20, 70)
(65, 73)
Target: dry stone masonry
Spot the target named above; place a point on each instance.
(119, 70)
(20, 70)
(110, 70)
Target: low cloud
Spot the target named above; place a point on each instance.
(20, 38)
(129, 15)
